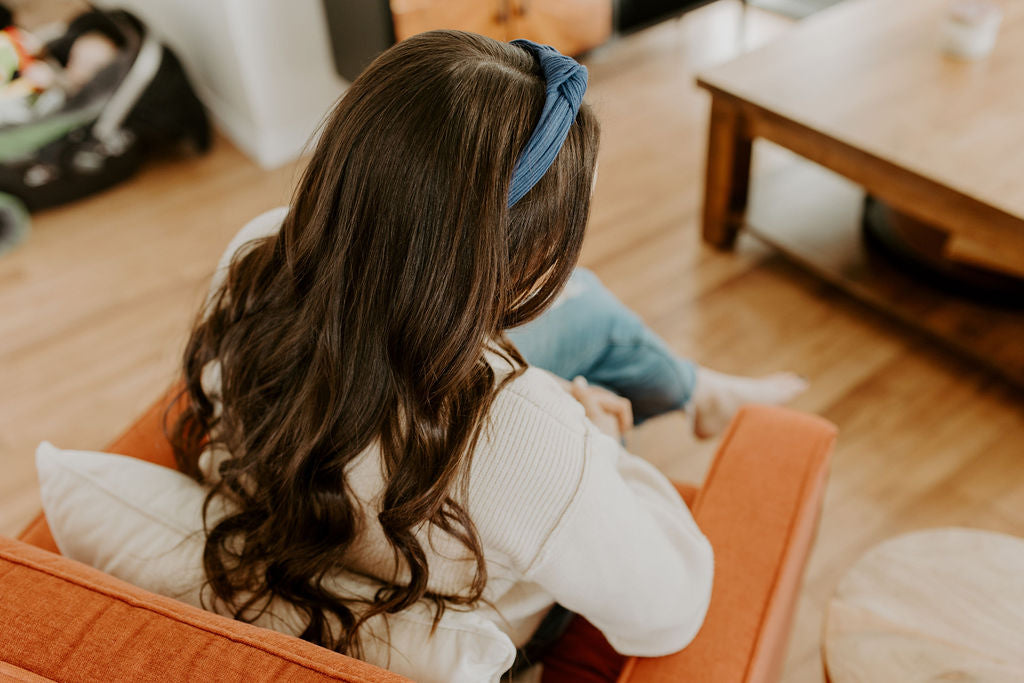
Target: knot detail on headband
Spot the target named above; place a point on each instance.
(566, 81)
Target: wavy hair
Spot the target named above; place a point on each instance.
(366, 321)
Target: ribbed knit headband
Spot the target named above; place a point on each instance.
(566, 82)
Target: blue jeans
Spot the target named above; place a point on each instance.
(591, 333)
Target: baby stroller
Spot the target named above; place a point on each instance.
(115, 95)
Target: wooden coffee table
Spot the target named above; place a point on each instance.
(864, 92)
(938, 605)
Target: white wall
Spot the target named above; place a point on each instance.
(263, 68)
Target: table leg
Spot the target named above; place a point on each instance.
(728, 174)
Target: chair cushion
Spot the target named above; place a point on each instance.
(142, 523)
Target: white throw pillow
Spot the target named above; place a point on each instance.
(143, 524)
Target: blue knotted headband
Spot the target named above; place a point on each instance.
(566, 81)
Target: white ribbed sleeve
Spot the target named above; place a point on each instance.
(600, 530)
(525, 471)
(628, 556)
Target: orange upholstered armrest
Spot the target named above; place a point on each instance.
(759, 507)
(62, 620)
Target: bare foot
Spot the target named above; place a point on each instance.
(717, 396)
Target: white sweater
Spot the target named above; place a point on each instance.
(564, 514)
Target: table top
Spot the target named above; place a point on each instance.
(938, 605)
(870, 73)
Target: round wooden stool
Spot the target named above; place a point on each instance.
(938, 605)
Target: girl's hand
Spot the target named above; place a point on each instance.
(609, 412)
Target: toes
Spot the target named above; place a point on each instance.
(720, 396)
(782, 387)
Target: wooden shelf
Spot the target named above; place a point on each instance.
(813, 217)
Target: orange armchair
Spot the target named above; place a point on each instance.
(759, 507)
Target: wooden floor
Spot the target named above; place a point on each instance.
(94, 309)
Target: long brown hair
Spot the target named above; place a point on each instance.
(366, 321)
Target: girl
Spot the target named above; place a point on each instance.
(354, 396)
